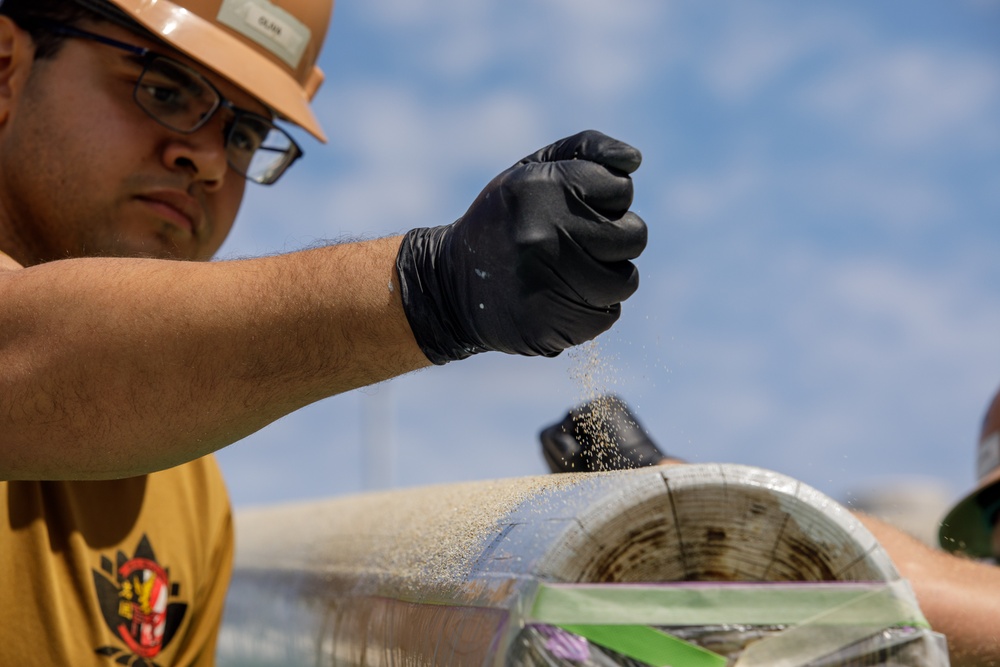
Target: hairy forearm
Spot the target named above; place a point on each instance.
(115, 367)
(959, 597)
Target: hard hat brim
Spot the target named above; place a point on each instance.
(232, 59)
(967, 527)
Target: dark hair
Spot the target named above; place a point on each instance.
(31, 15)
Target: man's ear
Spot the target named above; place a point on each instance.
(17, 55)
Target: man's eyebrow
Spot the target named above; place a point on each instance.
(136, 59)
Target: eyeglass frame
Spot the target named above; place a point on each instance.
(149, 56)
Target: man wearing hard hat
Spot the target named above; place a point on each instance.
(972, 526)
(128, 129)
(960, 594)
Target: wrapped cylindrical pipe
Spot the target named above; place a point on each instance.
(450, 575)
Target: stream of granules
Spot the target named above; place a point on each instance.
(596, 377)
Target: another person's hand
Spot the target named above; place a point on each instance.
(600, 435)
(539, 262)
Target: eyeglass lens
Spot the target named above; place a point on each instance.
(182, 100)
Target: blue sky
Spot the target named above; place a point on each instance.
(821, 291)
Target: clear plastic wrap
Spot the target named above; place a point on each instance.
(545, 646)
(754, 569)
(791, 625)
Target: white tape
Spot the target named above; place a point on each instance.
(874, 605)
(269, 25)
(835, 629)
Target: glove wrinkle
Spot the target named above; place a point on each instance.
(539, 262)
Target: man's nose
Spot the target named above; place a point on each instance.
(202, 154)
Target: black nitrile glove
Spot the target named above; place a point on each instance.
(602, 434)
(538, 263)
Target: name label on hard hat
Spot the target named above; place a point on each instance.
(269, 25)
(989, 455)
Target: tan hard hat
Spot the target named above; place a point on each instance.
(968, 527)
(268, 48)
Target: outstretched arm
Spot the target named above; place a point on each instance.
(959, 597)
(116, 367)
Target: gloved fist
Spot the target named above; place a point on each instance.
(539, 262)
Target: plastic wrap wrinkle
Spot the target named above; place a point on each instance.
(448, 575)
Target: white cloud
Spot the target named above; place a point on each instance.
(409, 154)
(450, 39)
(902, 313)
(847, 192)
(406, 158)
(891, 195)
(583, 50)
(600, 51)
(752, 339)
(758, 45)
(833, 370)
(899, 348)
(707, 198)
(411, 14)
(394, 127)
(895, 93)
(467, 52)
(914, 98)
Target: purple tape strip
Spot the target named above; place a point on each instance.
(564, 645)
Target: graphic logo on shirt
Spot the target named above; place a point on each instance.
(135, 597)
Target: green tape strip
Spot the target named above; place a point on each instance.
(822, 635)
(648, 645)
(878, 605)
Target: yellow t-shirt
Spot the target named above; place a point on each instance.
(122, 572)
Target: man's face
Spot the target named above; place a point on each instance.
(85, 172)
